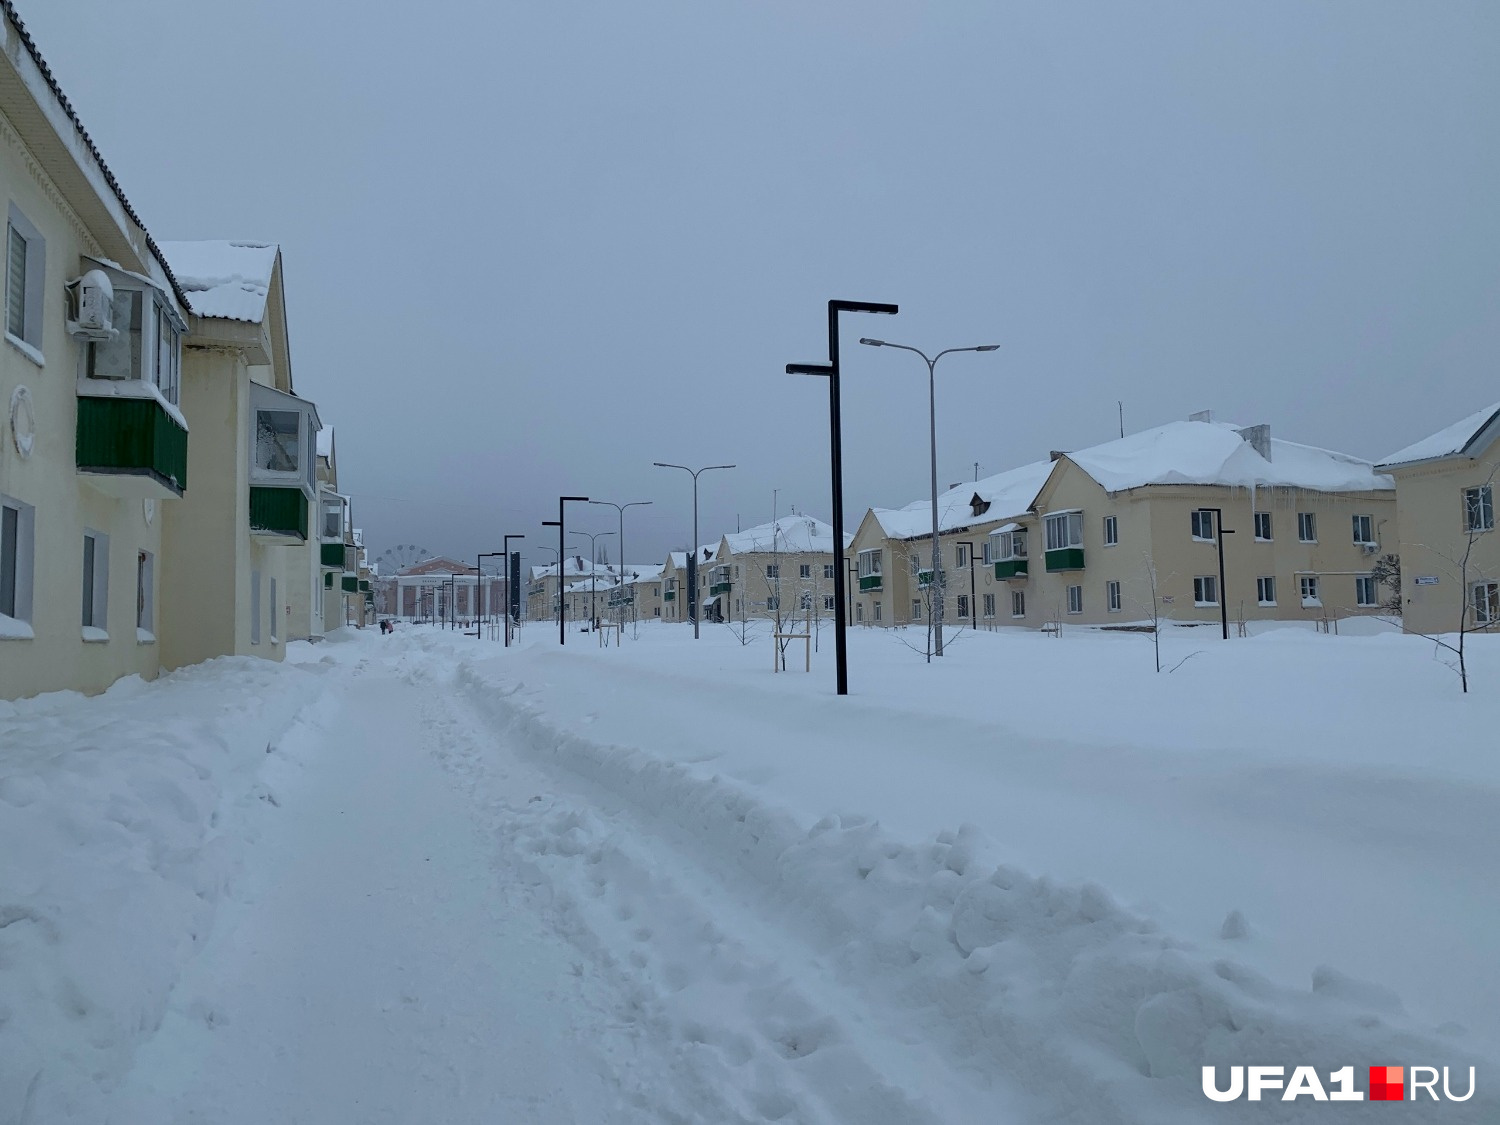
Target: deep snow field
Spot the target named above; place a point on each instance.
(423, 878)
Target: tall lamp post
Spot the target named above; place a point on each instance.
(836, 454)
(1219, 532)
(479, 587)
(937, 550)
(593, 571)
(621, 541)
(562, 503)
(512, 581)
(973, 607)
(693, 550)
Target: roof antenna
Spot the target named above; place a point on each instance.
(1120, 404)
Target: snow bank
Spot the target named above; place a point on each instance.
(1053, 1000)
(121, 818)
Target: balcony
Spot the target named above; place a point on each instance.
(131, 448)
(350, 584)
(1012, 568)
(924, 579)
(332, 556)
(718, 588)
(669, 596)
(1067, 558)
(279, 514)
(871, 582)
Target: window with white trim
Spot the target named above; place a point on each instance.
(1018, 603)
(1364, 591)
(148, 341)
(828, 571)
(145, 592)
(1111, 531)
(828, 602)
(255, 607)
(25, 283)
(1075, 599)
(916, 609)
(1202, 523)
(1206, 590)
(987, 551)
(859, 612)
(1307, 527)
(869, 563)
(805, 601)
(989, 605)
(17, 538)
(805, 570)
(1064, 531)
(278, 441)
(772, 602)
(1484, 599)
(877, 611)
(1112, 596)
(1263, 526)
(963, 605)
(916, 563)
(773, 570)
(961, 555)
(333, 521)
(95, 580)
(1479, 509)
(1364, 531)
(1011, 545)
(1307, 584)
(1265, 589)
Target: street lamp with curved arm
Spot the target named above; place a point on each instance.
(936, 612)
(593, 567)
(693, 550)
(621, 509)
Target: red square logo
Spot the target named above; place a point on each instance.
(1387, 1084)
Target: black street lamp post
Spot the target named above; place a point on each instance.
(693, 606)
(1221, 531)
(593, 572)
(512, 610)
(621, 541)
(836, 455)
(479, 587)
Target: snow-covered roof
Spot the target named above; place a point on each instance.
(1007, 494)
(796, 534)
(325, 442)
(1448, 442)
(228, 280)
(1216, 453)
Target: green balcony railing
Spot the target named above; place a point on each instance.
(924, 578)
(1067, 558)
(1012, 568)
(669, 596)
(278, 511)
(719, 588)
(872, 582)
(332, 556)
(132, 438)
(350, 584)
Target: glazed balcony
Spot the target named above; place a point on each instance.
(871, 582)
(131, 448)
(279, 514)
(1012, 569)
(1067, 558)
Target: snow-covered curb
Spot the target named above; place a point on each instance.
(1052, 992)
(122, 820)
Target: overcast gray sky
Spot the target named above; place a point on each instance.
(531, 248)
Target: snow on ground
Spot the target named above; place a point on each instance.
(423, 877)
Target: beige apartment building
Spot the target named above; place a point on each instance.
(1301, 528)
(1445, 509)
(95, 447)
(777, 571)
(672, 578)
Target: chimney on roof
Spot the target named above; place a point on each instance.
(578, 562)
(1258, 438)
(1056, 453)
(1201, 416)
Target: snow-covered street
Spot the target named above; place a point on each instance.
(423, 878)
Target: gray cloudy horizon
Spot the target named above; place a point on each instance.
(530, 249)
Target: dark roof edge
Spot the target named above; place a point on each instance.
(109, 177)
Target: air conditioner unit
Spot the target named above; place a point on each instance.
(1369, 548)
(90, 301)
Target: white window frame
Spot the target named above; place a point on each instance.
(1197, 518)
(1018, 603)
(268, 400)
(95, 585)
(1307, 522)
(960, 555)
(1310, 590)
(1112, 599)
(828, 602)
(828, 572)
(1011, 546)
(1484, 602)
(773, 603)
(773, 570)
(1262, 521)
(1479, 509)
(1363, 529)
(1064, 530)
(915, 559)
(255, 607)
(1111, 531)
(1366, 594)
(145, 596)
(804, 570)
(333, 505)
(877, 611)
(989, 605)
(1075, 599)
(18, 540)
(870, 562)
(916, 609)
(1265, 590)
(859, 613)
(804, 602)
(158, 357)
(32, 286)
(1205, 590)
(963, 605)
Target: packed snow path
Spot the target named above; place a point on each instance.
(421, 879)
